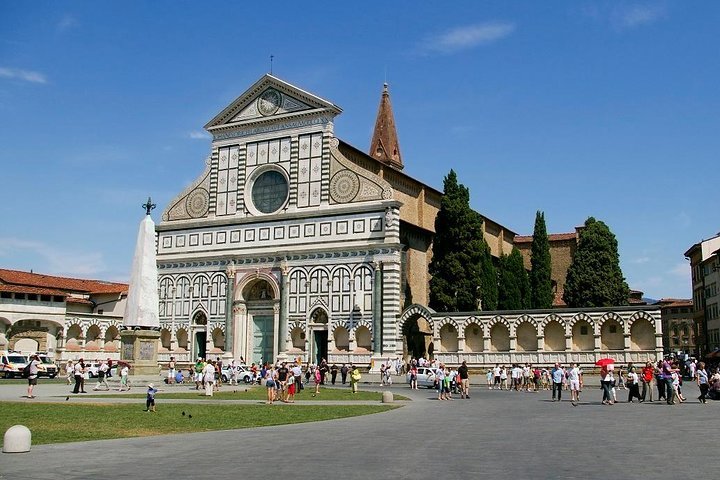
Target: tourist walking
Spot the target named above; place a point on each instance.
(32, 374)
(69, 371)
(343, 373)
(209, 378)
(124, 373)
(606, 380)
(464, 380)
(646, 376)
(633, 385)
(333, 373)
(558, 378)
(79, 372)
(150, 398)
(413, 377)
(102, 375)
(355, 378)
(701, 377)
(171, 371)
(198, 377)
(574, 377)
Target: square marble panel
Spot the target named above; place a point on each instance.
(358, 226)
(180, 241)
(264, 233)
(207, 238)
(279, 233)
(250, 235)
(234, 236)
(310, 230)
(325, 228)
(294, 231)
(376, 225)
(194, 239)
(341, 228)
(221, 237)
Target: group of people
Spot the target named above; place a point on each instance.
(283, 381)
(78, 371)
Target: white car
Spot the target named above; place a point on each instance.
(243, 374)
(425, 377)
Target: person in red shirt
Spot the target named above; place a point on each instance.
(647, 375)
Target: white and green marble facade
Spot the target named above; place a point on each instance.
(242, 278)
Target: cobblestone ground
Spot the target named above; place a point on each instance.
(494, 434)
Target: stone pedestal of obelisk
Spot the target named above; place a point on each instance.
(141, 325)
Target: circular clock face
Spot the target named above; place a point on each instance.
(269, 102)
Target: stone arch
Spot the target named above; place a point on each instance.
(554, 334)
(583, 332)
(611, 332)
(112, 338)
(611, 316)
(553, 317)
(525, 318)
(165, 339)
(341, 336)
(318, 314)
(360, 323)
(73, 337)
(639, 315)
(474, 334)
(642, 334)
(218, 339)
(183, 339)
(526, 336)
(297, 337)
(416, 325)
(448, 335)
(93, 336)
(499, 335)
(250, 287)
(447, 321)
(363, 339)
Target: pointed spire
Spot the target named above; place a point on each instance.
(384, 145)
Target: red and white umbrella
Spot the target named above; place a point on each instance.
(604, 362)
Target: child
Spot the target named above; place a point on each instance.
(150, 401)
(290, 389)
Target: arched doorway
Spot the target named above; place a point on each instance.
(199, 323)
(261, 329)
(319, 327)
(417, 336)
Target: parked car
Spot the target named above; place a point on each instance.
(243, 374)
(425, 377)
(12, 364)
(48, 368)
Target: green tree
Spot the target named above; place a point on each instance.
(489, 279)
(514, 283)
(540, 266)
(594, 278)
(459, 252)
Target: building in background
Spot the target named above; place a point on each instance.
(69, 318)
(705, 271)
(677, 325)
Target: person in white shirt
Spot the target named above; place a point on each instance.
(633, 384)
(503, 378)
(102, 375)
(209, 378)
(516, 375)
(574, 375)
(496, 376)
(124, 372)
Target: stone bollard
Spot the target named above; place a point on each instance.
(387, 397)
(17, 439)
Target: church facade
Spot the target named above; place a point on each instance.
(294, 244)
(291, 243)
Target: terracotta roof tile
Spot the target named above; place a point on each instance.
(16, 277)
(35, 290)
(82, 301)
(674, 302)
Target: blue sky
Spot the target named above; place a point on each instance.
(607, 109)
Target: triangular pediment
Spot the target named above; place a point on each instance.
(268, 99)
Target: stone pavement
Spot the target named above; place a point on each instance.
(492, 435)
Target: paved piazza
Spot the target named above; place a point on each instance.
(494, 434)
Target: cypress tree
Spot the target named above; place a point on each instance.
(458, 251)
(594, 278)
(540, 266)
(514, 283)
(489, 278)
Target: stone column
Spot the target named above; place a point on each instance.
(568, 343)
(626, 340)
(390, 305)
(541, 343)
(461, 344)
(284, 292)
(513, 344)
(377, 309)
(598, 344)
(239, 348)
(229, 317)
(276, 331)
(486, 344)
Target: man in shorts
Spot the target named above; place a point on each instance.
(496, 375)
(171, 371)
(282, 377)
(464, 380)
(574, 375)
(33, 376)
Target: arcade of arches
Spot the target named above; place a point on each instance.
(582, 336)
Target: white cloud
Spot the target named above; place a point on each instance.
(198, 135)
(631, 16)
(681, 270)
(54, 260)
(67, 22)
(462, 38)
(640, 260)
(25, 75)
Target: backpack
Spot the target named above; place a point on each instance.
(26, 370)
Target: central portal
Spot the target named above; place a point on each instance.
(263, 336)
(321, 346)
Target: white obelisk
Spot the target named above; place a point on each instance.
(141, 324)
(141, 309)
